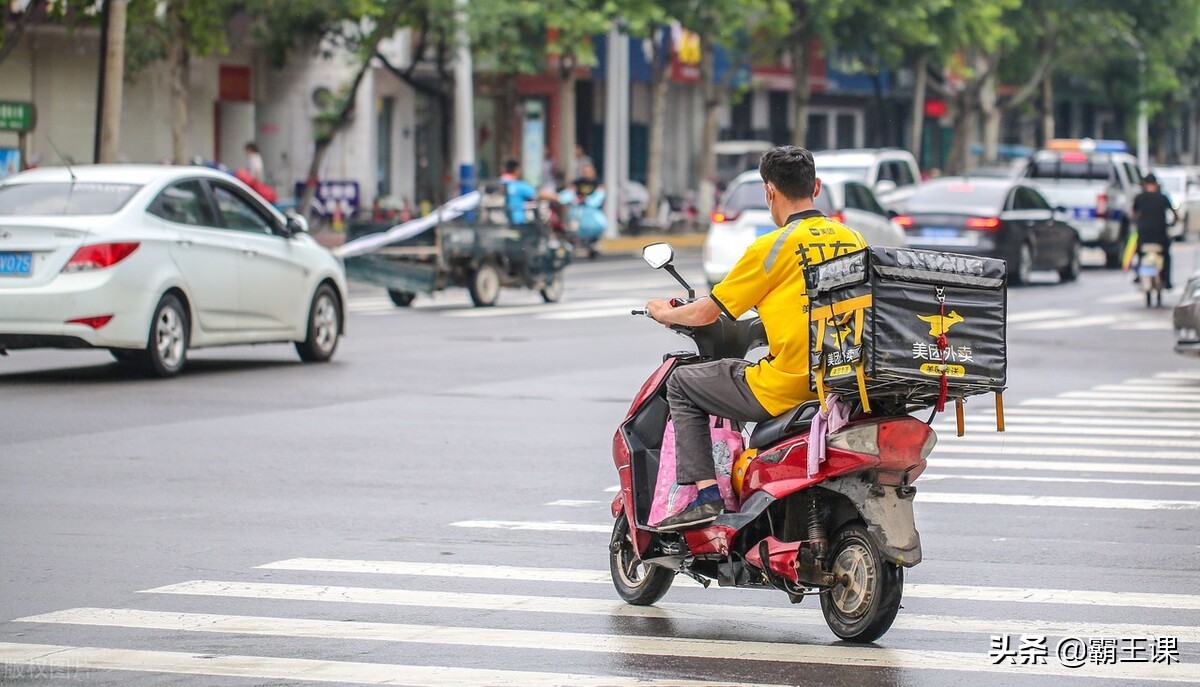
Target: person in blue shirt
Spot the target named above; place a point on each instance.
(585, 200)
(518, 193)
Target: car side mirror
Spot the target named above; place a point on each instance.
(296, 224)
(884, 186)
(1060, 210)
(892, 214)
(658, 255)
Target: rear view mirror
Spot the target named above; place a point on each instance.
(296, 224)
(658, 255)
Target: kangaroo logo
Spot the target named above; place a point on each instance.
(940, 324)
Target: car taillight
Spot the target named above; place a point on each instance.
(722, 216)
(1102, 205)
(93, 322)
(905, 221)
(862, 439)
(838, 217)
(988, 223)
(99, 256)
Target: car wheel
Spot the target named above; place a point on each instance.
(401, 298)
(324, 327)
(1020, 273)
(485, 286)
(1070, 271)
(167, 342)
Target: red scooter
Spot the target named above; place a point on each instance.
(844, 534)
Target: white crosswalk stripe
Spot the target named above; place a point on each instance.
(713, 649)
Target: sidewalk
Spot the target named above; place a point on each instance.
(624, 245)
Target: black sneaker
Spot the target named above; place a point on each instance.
(697, 513)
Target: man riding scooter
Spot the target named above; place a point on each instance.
(1150, 209)
(769, 277)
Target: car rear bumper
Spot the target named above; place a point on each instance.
(40, 316)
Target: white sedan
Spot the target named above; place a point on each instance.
(149, 261)
(742, 216)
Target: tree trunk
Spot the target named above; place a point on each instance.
(800, 89)
(991, 120)
(506, 123)
(566, 124)
(345, 115)
(114, 80)
(1047, 111)
(966, 119)
(178, 54)
(918, 112)
(707, 198)
(658, 118)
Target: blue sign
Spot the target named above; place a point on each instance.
(10, 162)
(334, 195)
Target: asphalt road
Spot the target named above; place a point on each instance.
(431, 508)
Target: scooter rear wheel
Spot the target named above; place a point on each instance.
(637, 583)
(862, 607)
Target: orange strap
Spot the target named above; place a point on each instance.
(999, 411)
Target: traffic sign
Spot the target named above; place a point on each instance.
(16, 116)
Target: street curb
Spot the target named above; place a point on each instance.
(635, 244)
(624, 245)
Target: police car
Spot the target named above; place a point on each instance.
(1095, 182)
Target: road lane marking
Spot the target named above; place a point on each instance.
(638, 644)
(1056, 466)
(500, 311)
(1074, 323)
(1035, 500)
(926, 476)
(582, 606)
(1035, 315)
(1165, 404)
(303, 669)
(532, 526)
(1135, 438)
(1144, 326)
(1174, 397)
(1179, 374)
(1147, 428)
(1048, 423)
(1147, 388)
(575, 503)
(947, 446)
(1114, 416)
(590, 314)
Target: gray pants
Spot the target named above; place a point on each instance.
(695, 392)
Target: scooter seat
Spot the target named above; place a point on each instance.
(794, 421)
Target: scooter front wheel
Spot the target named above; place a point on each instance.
(863, 604)
(637, 583)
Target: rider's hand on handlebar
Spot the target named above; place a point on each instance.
(658, 307)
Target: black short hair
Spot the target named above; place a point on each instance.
(1149, 179)
(511, 166)
(790, 169)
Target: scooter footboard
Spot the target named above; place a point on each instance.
(888, 514)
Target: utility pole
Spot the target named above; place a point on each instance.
(114, 81)
(464, 102)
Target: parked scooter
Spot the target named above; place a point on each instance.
(844, 534)
(1150, 276)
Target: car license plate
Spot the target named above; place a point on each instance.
(939, 232)
(764, 229)
(16, 264)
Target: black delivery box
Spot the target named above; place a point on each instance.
(876, 317)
